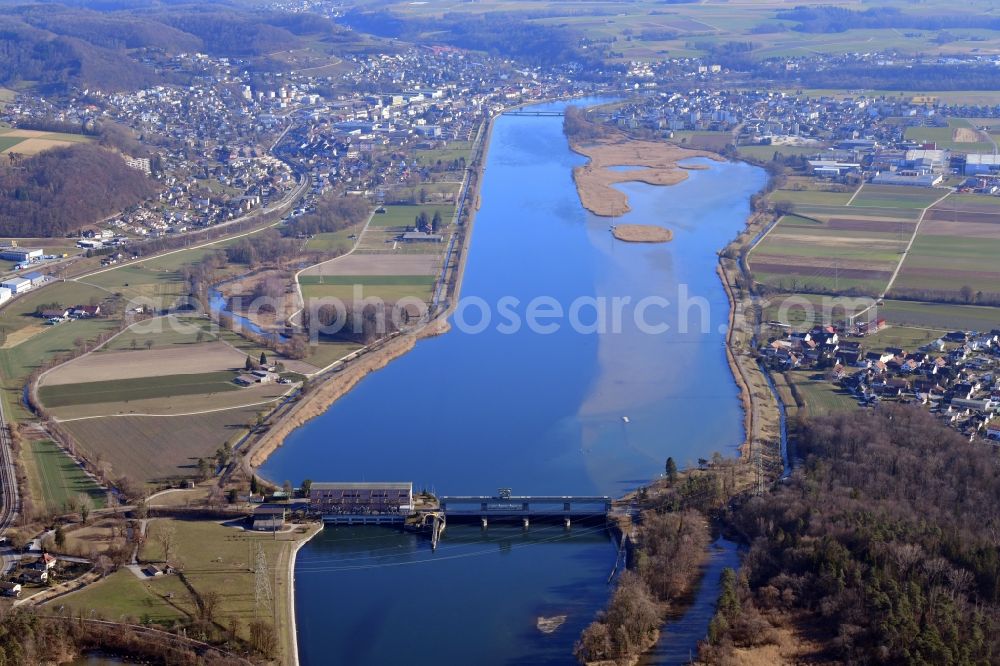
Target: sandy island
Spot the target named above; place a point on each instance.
(642, 233)
(655, 162)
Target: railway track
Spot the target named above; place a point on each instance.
(10, 497)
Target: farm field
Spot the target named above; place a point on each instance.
(812, 197)
(154, 448)
(941, 315)
(958, 136)
(55, 478)
(957, 248)
(389, 288)
(765, 153)
(374, 265)
(400, 217)
(895, 196)
(338, 242)
(169, 331)
(177, 360)
(144, 388)
(32, 142)
(260, 396)
(830, 253)
(20, 313)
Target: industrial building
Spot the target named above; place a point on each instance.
(21, 255)
(982, 164)
(16, 285)
(361, 501)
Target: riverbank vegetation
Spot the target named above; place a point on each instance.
(670, 539)
(882, 547)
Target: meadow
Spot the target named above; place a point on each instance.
(55, 479)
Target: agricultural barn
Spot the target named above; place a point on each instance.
(361, 498)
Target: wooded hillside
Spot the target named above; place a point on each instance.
(64, 189)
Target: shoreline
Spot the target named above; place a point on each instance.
(292, 632)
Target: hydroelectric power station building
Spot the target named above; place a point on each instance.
(361, 502)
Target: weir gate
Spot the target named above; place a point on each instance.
(504, 506)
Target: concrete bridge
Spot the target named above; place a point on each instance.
(505, 506)
(537, 114)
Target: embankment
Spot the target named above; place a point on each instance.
(762, 418)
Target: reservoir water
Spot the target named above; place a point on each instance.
(539, 411)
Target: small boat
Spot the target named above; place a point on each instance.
(625, 419)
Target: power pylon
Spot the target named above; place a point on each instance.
(262, 591)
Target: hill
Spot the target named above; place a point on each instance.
(64, 189)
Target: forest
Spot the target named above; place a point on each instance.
(883, 546)
(55, 46)
(332, 213)
(497, 33)
(61, 190)
(826, 19)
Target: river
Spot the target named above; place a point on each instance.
(538, 409)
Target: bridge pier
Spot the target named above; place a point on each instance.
(484, 522)
(526, 523)
(566, 522)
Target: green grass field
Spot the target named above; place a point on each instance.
(821, 396)
(56, 478)
(812, 197)
(453, 151)
(125, 390)
(16, 363)
(944, 137)
(215, 558)
(766, 153)
(122, 596)
(175, 331)
(902, 337)
(390, 292)
(948, 263)
(940, 316)
(403, 216)
(896, 196)
(8, 142)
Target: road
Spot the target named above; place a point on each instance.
(10, 498)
